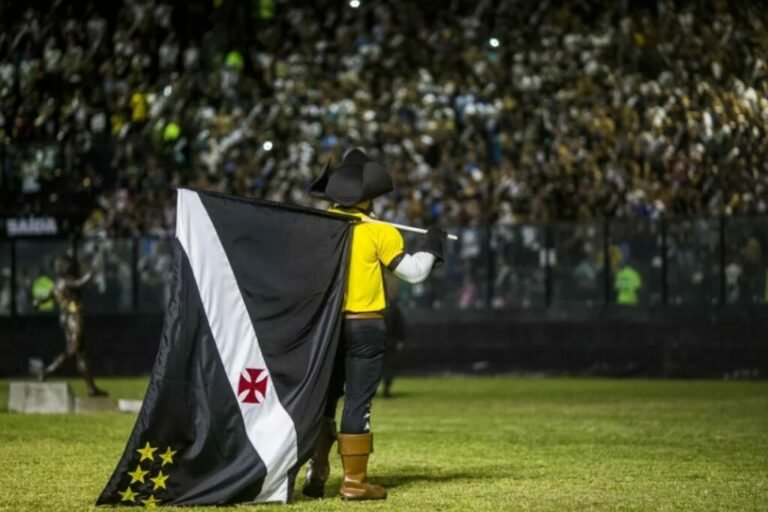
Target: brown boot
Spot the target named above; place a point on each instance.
(354, 450)
(319, 468)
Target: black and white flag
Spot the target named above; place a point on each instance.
(237, 389)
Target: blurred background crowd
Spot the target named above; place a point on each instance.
(490, 114)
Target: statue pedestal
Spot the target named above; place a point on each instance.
(41, 397)
(124, 405)
(94, 404)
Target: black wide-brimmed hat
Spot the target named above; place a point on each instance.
(358, 178)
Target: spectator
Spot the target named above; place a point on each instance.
(627, 284)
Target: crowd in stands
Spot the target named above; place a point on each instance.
(486, 112)
(491, 110)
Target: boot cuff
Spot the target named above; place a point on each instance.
(355, 444)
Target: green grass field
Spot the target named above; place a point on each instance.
(471, 444)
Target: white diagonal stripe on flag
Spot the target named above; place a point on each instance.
(270, 429)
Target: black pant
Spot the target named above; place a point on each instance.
(359, 363)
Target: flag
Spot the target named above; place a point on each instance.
(251, 328)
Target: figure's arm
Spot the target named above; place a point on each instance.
(415, 268)
(80, 282)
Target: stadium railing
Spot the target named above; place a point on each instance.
(668, 262)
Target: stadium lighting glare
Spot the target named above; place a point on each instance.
(354, 4)
(267, 145)
(494, 42)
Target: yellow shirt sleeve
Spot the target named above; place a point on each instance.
(390, 244)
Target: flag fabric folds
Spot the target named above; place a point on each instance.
(251, 328)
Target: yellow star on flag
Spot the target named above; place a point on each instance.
(128, 495)
(150, 502)
(167, 456)
(147, 452)
(138, 475)
(159, 480)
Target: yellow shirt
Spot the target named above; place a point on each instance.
(373, 246)
(138, 107)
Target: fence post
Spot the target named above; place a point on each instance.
(135, 273)
(548, 265)
(75, 253)
(14, 308)
(606, 262)
(664, 267)
(722, 259)
(490, 271)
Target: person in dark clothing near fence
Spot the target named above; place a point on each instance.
(393, 319)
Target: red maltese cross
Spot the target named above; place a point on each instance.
(253, 386)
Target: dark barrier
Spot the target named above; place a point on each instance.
(615, 341)
(653, 342)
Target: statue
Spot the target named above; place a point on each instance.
(66, 294)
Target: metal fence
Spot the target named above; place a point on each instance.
(678, 262)
(589, 264)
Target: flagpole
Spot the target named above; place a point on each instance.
(403, 227)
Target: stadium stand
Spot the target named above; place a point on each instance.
(499, 111)
(495, 117)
